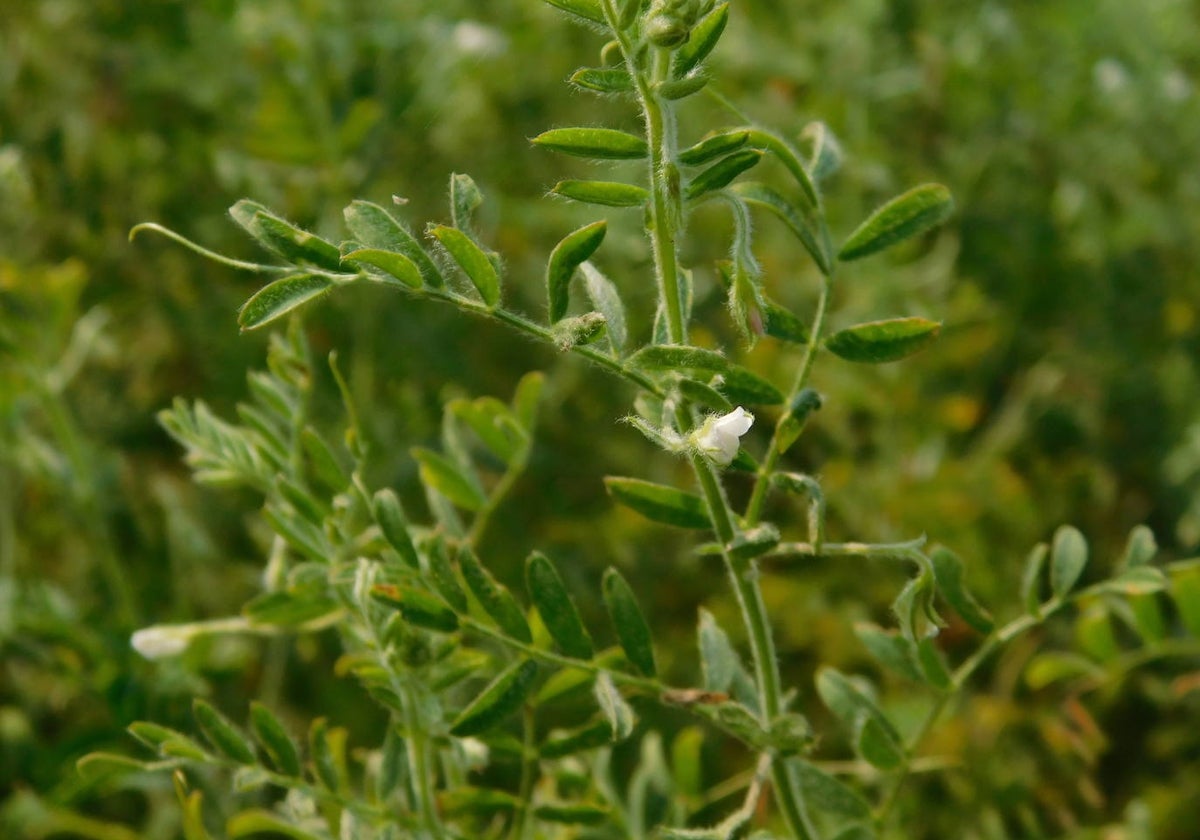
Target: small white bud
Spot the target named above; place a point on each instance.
(161, 641)
(717, 439)
(475, 753)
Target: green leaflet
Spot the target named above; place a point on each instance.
(612, 705)
(604, 296)
(602, 79)
(280, 297)
(1139, 580)
(445, 581)
(104, 767)
(827, 793)
(257, 822)
(473, 260)
(877, 342)
(700, 42)
(754, 542)
(465, 199)
(1140, 548)
(1185, 592)
(288, 608)
(705, 395)
(418, 608)
(659, 502)
(722, 172)
(303, 502)
(824, 154)
(221, 733)
(1094, 633)
(783, 324)
(590, 10)
(495, 599)
(442, 474)
(796, 219)
(322, 461)
(948, 573)
(574, 249)
(284, 239)
(1054, 666)
(396, 267)
(588, 737)
(890, 649)
(737, 384)
(598, 143)
(714, 146)
(675, 356)
(1031, 579)
(933, 665)
(525, 399)
(604, 193)
(503, 696)
(789, 157)
(1068, 556)
(907, 215)
(719, 662)
(389, 515)
(742, 386)
(494, 424)
(876, 740)
(274, 739)
(557, 609)
(153, 735)
(377, 229)
(629, 622)
(877, 747)
(477, 802)
(572, 814)
(327, 749)
(674, 89)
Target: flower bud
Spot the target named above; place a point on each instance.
(670, 22)
(161, 641)
(667, 31)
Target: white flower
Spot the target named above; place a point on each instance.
(161, 641)
(718, 437)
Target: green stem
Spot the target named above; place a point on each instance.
(770, 462)
(664, 189)
(665, 221)
(907, 551)
(520, 826)
(652, 687)
(420, 760)
(528, 327)
(743, 575)
(205, 252)
(418, 744)
(664, 202)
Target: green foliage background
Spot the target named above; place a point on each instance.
(1065, 387)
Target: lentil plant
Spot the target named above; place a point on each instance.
(480, 682)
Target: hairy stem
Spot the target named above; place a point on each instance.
(420, 760)
(762, 483)
(520, 826)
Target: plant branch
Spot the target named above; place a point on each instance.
(762, 483)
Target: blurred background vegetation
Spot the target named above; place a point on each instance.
(1066, 387)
